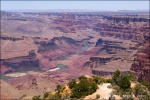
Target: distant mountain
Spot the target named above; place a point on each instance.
(58, 10)
(146, 10)
(78, 10)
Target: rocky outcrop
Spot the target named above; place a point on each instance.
(110, 45)
(125, 19)
(46, 64)
(5, 36)
(70, 23)
(102, 73)
(97, 61)
(141, 63)
(54, 49)
(21, 63)
(58, 47)
(99, 42)
(105, 73)
(123, 27)
(5, 69)
(10, 38)
(144, 74)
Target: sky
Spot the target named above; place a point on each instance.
(78, 5)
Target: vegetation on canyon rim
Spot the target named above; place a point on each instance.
(121, 84)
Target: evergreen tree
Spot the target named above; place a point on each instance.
(116, 76)
(124, 82)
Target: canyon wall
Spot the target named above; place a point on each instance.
(141, 63)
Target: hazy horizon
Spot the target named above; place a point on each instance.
(75, 5)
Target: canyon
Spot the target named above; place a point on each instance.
(51, 48)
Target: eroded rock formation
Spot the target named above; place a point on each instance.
(58, 47)
(21, 63)
(54, 36)
(141, 63)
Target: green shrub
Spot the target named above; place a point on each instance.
(66, 97)
(109, 81)
(131, 76)
(55, 96)
(36, 98)
(83, 88)
(128, 98)
(98, 79)
(124, 82)
(138, 90)
(82, 78)
(72, 84)
(119, 91)
(126, 92)
(58, 88)
(116, 76)
(46, 94)
(141, 93)
(114, 92)
(145, 84)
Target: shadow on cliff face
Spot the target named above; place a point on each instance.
(27, 65)
(23, 63)
(58, 47)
